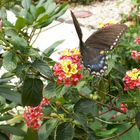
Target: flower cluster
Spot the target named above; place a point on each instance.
(123, 107)
(33, 115)
(132, 79)
(102, 25)
(137, 41)
(135, 55)
(69, 67)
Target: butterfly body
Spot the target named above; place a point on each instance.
(93, 50)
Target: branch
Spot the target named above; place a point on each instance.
(119, 134)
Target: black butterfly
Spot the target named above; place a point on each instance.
(93, 49)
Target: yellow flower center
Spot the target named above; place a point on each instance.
(134, 74)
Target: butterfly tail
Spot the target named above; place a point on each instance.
(77, 27)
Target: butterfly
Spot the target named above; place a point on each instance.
(93, 49)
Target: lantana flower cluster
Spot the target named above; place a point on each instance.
(68, 69)
(135, 55)
(123, 107)
(34, 115)
(132, 79)
(137, 41)
(102, 25)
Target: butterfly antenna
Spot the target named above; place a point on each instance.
(77, 27)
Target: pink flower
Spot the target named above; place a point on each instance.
(137, 41)
(33, 115)
(132, 79)
(68, 70)
(135, 55)
(123, 107)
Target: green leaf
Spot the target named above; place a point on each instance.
(47, 128)
(18, 42)
(32, 92)
(3, 136)
(39, 11)
(137, 118)
(9, 61)
(33, 10)
(43, 68)
(26, 4)
(12, 130)
(130, 135)
(10, 95)
(50, 6)
(31, 135)
(33, 52)
(86, 107)
(47, 52)
(63, 91)
(106, 133)
(65, 131)
(20, 23)
(91, 135)
(42, 19)
(102, 88)
(138, 1)
(50, 90)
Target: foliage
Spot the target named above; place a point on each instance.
(61, 100)
(85, 2)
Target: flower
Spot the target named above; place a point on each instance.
(33, 115)
(135, 55)
(68, 69)
(132, 79)
(123, 107)
(137, 41)
(102, 25)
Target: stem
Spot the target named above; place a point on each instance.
(32, 34)
(119, 134)
(107, 122)
(36, 37)
(64, 109)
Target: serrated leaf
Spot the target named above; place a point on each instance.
(86, 107)
(47, 52)
(47, 128)
(33, 52)
(32, 92)
(65, 131)
(26, 4)
(9, 61)
(43, 68)
(18, 42)
(137, 118)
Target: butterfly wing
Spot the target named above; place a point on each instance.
(79, 33)
(104, 39)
